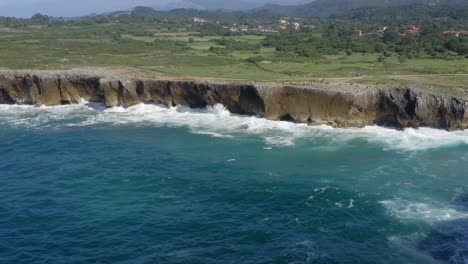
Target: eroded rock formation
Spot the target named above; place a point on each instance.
(315, 104)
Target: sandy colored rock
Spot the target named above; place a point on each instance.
(312, 103)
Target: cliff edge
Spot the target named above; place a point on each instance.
(315, 104)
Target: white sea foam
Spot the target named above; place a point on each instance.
(213, 134)
(218, 122)
(279, 141)
(345, 203)
(417, 211)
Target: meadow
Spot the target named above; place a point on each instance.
(184, 52)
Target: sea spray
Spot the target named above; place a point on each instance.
(218, 122)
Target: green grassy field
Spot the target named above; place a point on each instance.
(59, 48)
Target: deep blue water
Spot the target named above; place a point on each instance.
(79, 184)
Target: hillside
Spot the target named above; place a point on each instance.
(227, 4)
(212, 15)
(327, 8)
(343, 9)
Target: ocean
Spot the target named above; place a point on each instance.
(150, 184)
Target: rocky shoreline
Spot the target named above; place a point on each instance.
(314, 103)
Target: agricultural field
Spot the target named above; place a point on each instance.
(185, 52)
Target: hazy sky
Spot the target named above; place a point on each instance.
(26, 8)
(69, 7)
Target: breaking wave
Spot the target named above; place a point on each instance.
(418, 211)
(218, 122)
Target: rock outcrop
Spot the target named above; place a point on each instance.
(313, 104)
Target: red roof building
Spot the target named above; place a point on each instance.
(358, 32)
(413, 29)
(296, 26)
(456, 33)
(198, 20)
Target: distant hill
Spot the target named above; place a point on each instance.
(346, 9)
(211, 15)
(227, 4)
(327, 8)
(215, 4)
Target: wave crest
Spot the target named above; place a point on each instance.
(216, 121)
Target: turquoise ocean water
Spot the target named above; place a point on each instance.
(82, 184)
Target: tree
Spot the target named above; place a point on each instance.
(40, 18)
(401, 59)
(391, 35)
(453, 44)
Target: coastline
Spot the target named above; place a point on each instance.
(314, 103)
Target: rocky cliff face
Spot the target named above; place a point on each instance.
(336, 106)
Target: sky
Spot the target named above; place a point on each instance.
(69, 8)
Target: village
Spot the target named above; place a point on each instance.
(282, 24)
(285, 24)
(409, 30)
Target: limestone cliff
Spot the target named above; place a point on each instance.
(313, 104)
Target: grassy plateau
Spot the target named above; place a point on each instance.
(186, 53)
